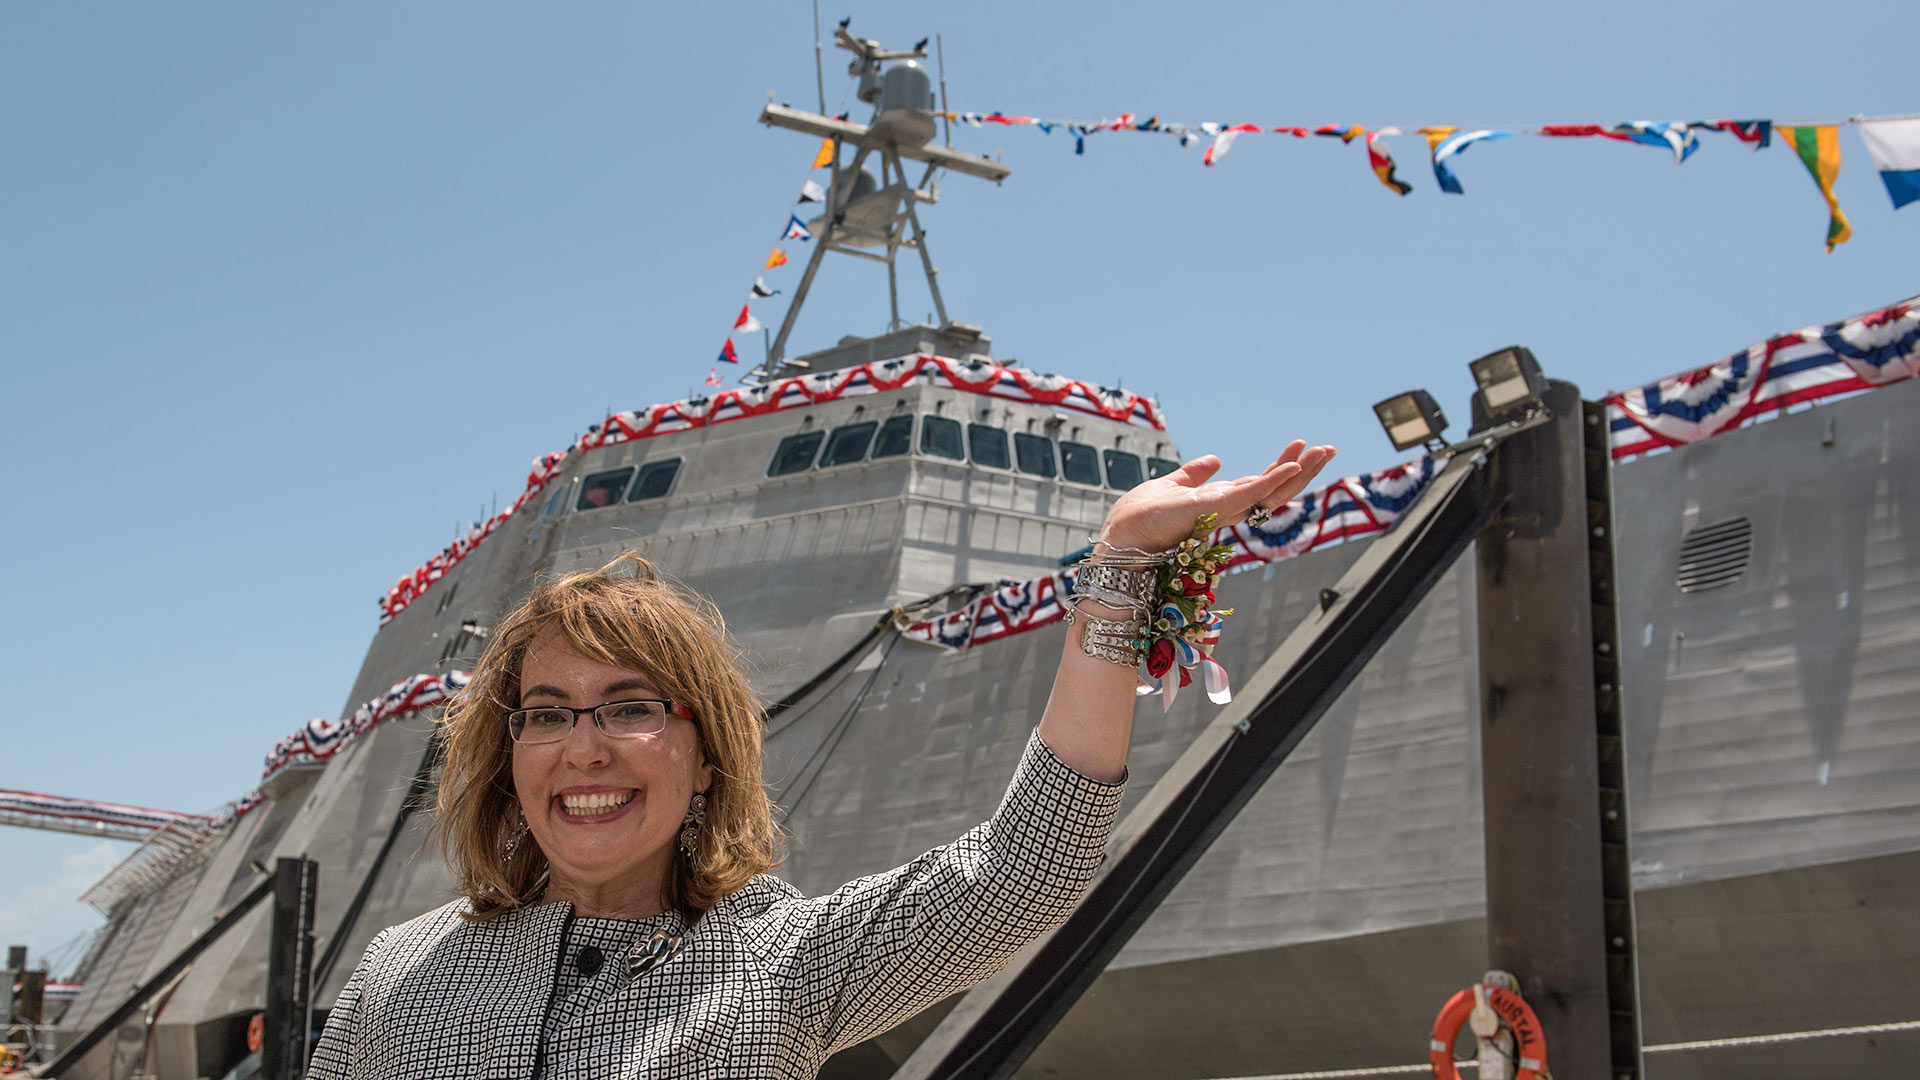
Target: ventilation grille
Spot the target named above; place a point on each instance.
(1715, 555)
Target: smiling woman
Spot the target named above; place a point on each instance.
(603, 813)
(583, 641)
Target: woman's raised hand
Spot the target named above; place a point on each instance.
(1160, 513)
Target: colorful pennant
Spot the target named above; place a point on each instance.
(1382, 161)
(1819, 150)
(1894, 146)
(1444, 144)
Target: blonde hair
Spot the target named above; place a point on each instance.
(635, 621)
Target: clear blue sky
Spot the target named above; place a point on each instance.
(286, 293)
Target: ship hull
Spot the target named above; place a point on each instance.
(1773, 743)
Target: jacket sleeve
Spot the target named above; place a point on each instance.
(333, 1053)
(882, 948)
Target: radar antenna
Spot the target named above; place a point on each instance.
(871, 217)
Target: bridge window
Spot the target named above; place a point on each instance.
(989, 445)
(1123, 470)
(795, 453)
(848, 444)
(603, 489)
(1080, 463)
(655, 479)
(940, 437)
(557, 502)
(1034, 454)
(896, 436)
(1159, 466)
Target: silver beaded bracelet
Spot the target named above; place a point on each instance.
(1111, 639)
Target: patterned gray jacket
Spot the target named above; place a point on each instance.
(767, 984)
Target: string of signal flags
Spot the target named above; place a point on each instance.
(1892, 142)
(795, 232)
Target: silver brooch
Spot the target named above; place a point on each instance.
(652, 952)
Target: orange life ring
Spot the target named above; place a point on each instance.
(257, 1032)
(1529, 1041)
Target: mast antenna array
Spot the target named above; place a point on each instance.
(868, 216)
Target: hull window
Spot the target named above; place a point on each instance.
(848, 444)
(604, 489)
(896, 437)
(1159, 466)
(1123, 470)
(795, 453)
(989, 445)
(940, 437)
(1080, 463)
(655, 479)
(1034, 453)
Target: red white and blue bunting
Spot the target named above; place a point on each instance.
(1844, 357)
(1349, 507)
(109, 819)
(318, 740)
(795, 392)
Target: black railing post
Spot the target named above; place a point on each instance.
(283, 1050)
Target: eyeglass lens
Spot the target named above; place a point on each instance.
(620, 719)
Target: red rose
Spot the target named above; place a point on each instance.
(1160, 658)
(1193, 584)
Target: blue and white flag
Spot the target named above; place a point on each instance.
(1677, 137)
(1894, 146)
(1454, 144)
(796, 230)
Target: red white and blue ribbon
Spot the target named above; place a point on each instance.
(1844, 357)
(794, 392)
(1349, 507)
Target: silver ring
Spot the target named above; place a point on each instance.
(1258, 515)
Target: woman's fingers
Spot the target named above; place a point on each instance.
(1196, 472)
(1283, 480)
(1291, 453)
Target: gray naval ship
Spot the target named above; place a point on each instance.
(1772, 704)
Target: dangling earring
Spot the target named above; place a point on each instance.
(514, 834)
(690, 827)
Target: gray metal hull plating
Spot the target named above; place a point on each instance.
(1773, 742)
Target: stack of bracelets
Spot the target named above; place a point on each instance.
(1167, 599)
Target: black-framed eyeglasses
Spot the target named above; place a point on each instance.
(617, 719)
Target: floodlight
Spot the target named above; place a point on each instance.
(1510, 387)
(1411, 419)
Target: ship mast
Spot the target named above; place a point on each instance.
(871, 217)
